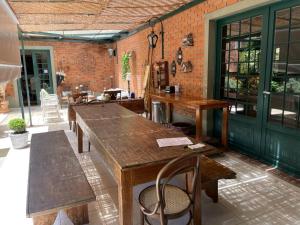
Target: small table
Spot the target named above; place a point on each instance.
(197, 104)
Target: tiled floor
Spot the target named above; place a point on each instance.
(255, 197)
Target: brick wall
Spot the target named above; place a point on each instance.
(176, 27)
(83, 63)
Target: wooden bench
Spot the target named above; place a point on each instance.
(56, 181)
(211, 173)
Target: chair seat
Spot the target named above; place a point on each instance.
(176, 199)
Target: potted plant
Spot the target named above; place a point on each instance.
(19, 135)
(126, 74)
(125, 66)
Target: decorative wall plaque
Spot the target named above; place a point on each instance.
(188, 40)
(187, 67)
(179, 56)
(173, 68)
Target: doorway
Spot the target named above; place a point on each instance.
(258, 72)
(39, 75)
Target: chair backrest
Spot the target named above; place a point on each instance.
(187, 163)
(43, 94)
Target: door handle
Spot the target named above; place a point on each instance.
(266, 93)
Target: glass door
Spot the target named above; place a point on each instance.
(39, 74)
(281, 132)
(258, 67)
(241, 77)
(42, 71)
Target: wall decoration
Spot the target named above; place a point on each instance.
(188, 40)
(173, 68)
(179, 56)
(187, 67)
(160, 74)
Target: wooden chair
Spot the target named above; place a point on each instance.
(164, 201)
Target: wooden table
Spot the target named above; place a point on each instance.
(197, 104)
(56, 181)
(127, 143)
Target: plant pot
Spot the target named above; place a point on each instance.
(19, 140)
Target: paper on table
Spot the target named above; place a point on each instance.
(165, 142)
(196, 146)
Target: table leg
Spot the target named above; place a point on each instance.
(197, 205)
(198, 124)
(79, 139)
(211, 189)
(169, 112)
(125, 199)
(150, 107)
(225, 127)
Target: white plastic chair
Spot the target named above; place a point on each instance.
(49, 104)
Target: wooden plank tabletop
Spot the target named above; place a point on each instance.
(56, 179)
(103, 111)
(130, 141)
(190, 102)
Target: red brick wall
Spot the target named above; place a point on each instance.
(176, 27)
(83, 63)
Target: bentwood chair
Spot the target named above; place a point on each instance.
(164, 201)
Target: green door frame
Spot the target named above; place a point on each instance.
(35, 68)
(240, 118)
(33, 53)
(263, 126)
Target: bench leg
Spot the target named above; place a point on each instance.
(79, 139)
(78, 215)
(211, 189)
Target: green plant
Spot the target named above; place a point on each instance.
(125, 65)
(17, 125)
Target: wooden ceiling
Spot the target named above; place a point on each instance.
(63, 15)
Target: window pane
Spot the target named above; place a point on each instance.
(244, 56)
(243, 69)
(244, 42)
(240, 109)
(294, 69)
(251, 110)
(279, 69)
(226, 31)
(280, 52)
(234, 56)
(245, 26)
(256, 24)
(234, 44)
(293, 85)
(277, 85)
(291, 111)
(281, 35)
(295, 17)
(295, 34)
(294, 52)
(282, 18)
(276, 106)
(233, 68)
(235, 29)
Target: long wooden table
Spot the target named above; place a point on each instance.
(127, 143)
(197, 104)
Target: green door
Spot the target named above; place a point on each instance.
(258, 67)
(39, 74)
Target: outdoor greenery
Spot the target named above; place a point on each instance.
(17, 125)
(292, 86)
(125, 65)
